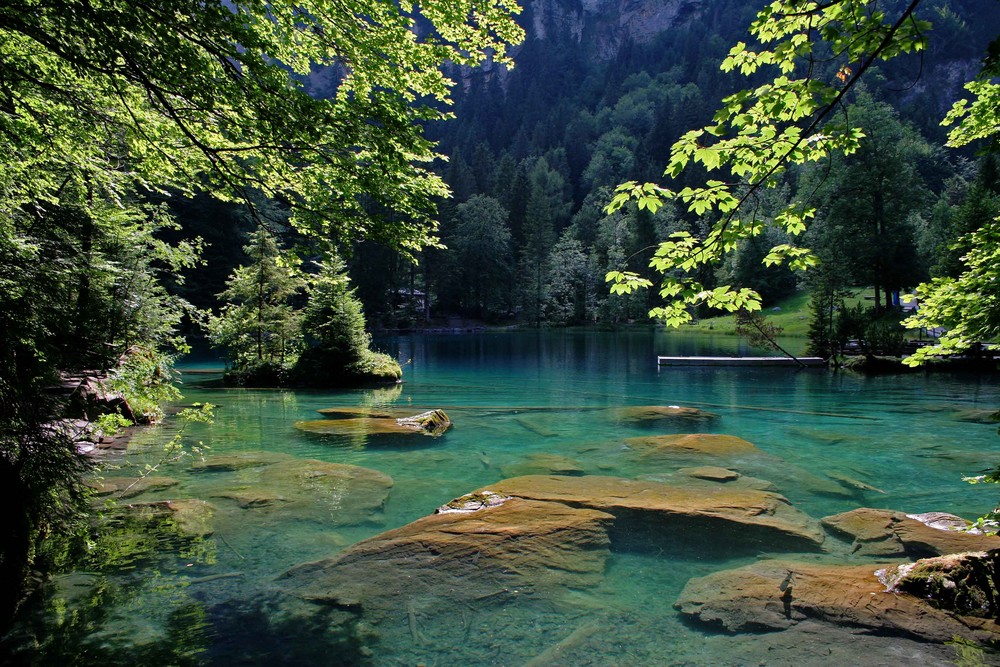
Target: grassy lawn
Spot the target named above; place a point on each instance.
(791, 314)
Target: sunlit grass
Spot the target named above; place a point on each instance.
(791, 314)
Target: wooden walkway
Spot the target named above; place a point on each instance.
(812, 362)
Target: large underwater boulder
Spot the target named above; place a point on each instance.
(451, 578)
(336, 494)
(694, 510)
(479, 546)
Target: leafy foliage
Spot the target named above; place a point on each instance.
(210, 96)
(968, 306)
(759, 133)
(106, 105)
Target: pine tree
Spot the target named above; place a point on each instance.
(339, 351)
(259, 327)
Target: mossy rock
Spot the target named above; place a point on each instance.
(961, 583)
(432, 422)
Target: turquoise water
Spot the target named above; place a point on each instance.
(830, 442)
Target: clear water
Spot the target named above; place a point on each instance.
(907, 436)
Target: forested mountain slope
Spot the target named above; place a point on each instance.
(600, 92)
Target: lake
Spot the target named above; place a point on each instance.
(521, 403)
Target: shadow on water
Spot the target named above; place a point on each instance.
(192, 632)
(699, 539)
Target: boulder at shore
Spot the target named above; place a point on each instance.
(888, 534)
(777, 594)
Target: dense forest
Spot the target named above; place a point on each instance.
(598, 97)
(535, 154)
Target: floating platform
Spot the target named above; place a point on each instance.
(812, 362)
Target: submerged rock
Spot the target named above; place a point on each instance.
(978, 415)
(544, 464)
(851, 483)
(695, 445)
(657, 413)
(251, 497)
(524, 546)
(335, 493)
(356, 412)
(711, 473)
(191, 517)
(697, 512)
(450, 576)
(888, 534)
(776, 595)
(354, 427)
(239, 461)
(516, 541)
(712, 449)
(129, 487)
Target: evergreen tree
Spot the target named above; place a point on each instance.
(339, 351)
(259, 327)
(867, 200)
(482, 252)
(569, 288)
(544, 204)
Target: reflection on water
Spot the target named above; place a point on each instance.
(276, 497)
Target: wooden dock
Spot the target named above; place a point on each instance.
(812, 362)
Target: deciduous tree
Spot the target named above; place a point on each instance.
(819, 52)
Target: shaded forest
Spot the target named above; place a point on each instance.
(536, 152)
